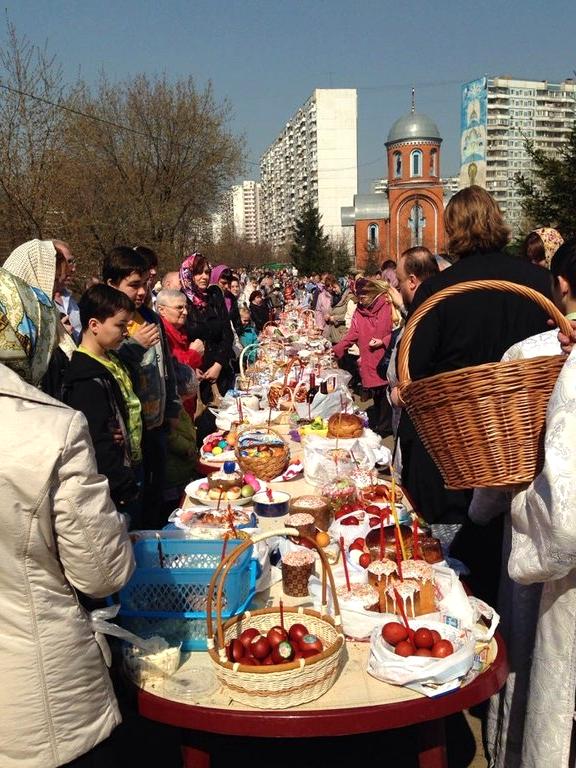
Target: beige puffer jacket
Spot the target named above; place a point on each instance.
(59, 530)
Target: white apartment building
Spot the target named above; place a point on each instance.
(315, 157)
(246, 213)
(498, 114)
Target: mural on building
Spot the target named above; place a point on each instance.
(473, 118)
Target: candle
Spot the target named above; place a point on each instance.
(344, 563)
(240, 414)
(230, 520)
(224, 543)
(395, 515)
(416, 541)
(281, 614)
(399, 557)
(269, 494)
(400, 606)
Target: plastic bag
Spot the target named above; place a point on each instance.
(426, 675)
(326, 405)
(320, 467)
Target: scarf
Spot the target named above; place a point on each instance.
(214, 277)
(552, 240)
(28, 324)
(35, 263)
(198, 297)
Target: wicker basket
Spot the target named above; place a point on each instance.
(482, 425)
(282, 685)
(265, 468)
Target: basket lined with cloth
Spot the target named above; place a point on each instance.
(262, 451)
(482, 425)
(282, 685)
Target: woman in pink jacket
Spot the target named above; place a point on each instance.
(371, 330)
(329, 292)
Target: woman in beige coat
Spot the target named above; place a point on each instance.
(60, 532)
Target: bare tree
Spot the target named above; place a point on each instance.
(149, 167)
(30, 138)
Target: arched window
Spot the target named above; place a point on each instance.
(416, 224)
(433, 163)
(416, 163)
(397, 158)
(373, 236)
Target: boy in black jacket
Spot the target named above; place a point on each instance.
(98, 384)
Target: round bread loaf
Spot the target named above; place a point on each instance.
(345, 425)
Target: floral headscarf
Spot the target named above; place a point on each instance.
(27, 328)
(552, 240)
(35, 263)
(189, 266)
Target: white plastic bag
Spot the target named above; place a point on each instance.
(424, 674)
(320, 468)
(326, 405)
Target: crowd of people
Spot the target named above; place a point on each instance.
(142, 353)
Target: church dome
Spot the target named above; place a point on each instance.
(413, 126)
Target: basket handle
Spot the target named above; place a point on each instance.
(221, 572)
(466, 287)
(242, 358)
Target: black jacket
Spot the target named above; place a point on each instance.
(468, 329)
(260, 314)
(91, 388)
(212, 324)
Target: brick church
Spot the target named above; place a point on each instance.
(410, 211)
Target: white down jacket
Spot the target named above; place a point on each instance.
(59, 530)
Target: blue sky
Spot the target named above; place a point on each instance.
(267, 56)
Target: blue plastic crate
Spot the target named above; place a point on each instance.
(171, 601)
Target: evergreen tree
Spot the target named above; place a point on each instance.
(310, 251)
(549, 193)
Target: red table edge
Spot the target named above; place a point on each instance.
(288, 723)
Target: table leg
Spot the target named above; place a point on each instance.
(195, 758)
(432, 744)
(195, 750)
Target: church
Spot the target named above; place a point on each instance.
(410, 211)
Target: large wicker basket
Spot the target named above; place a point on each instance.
(265, 468)
(282, 685)
(482, 425)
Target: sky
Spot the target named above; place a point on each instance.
(265, 57)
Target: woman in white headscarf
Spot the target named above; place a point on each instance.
(60, 533)
(37, 263)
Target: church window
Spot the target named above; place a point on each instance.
(373, 236)
(416, 224)
(433, 163)
(416, 162)
(397, 165)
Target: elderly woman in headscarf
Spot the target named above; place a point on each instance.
(208, 320)
(371, 330)
(39, 264)
(540, 245)
(60, 533)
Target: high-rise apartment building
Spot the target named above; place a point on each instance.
(314, 158)
(246, 213)
(497, 115)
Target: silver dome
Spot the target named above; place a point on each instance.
(413, 126)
